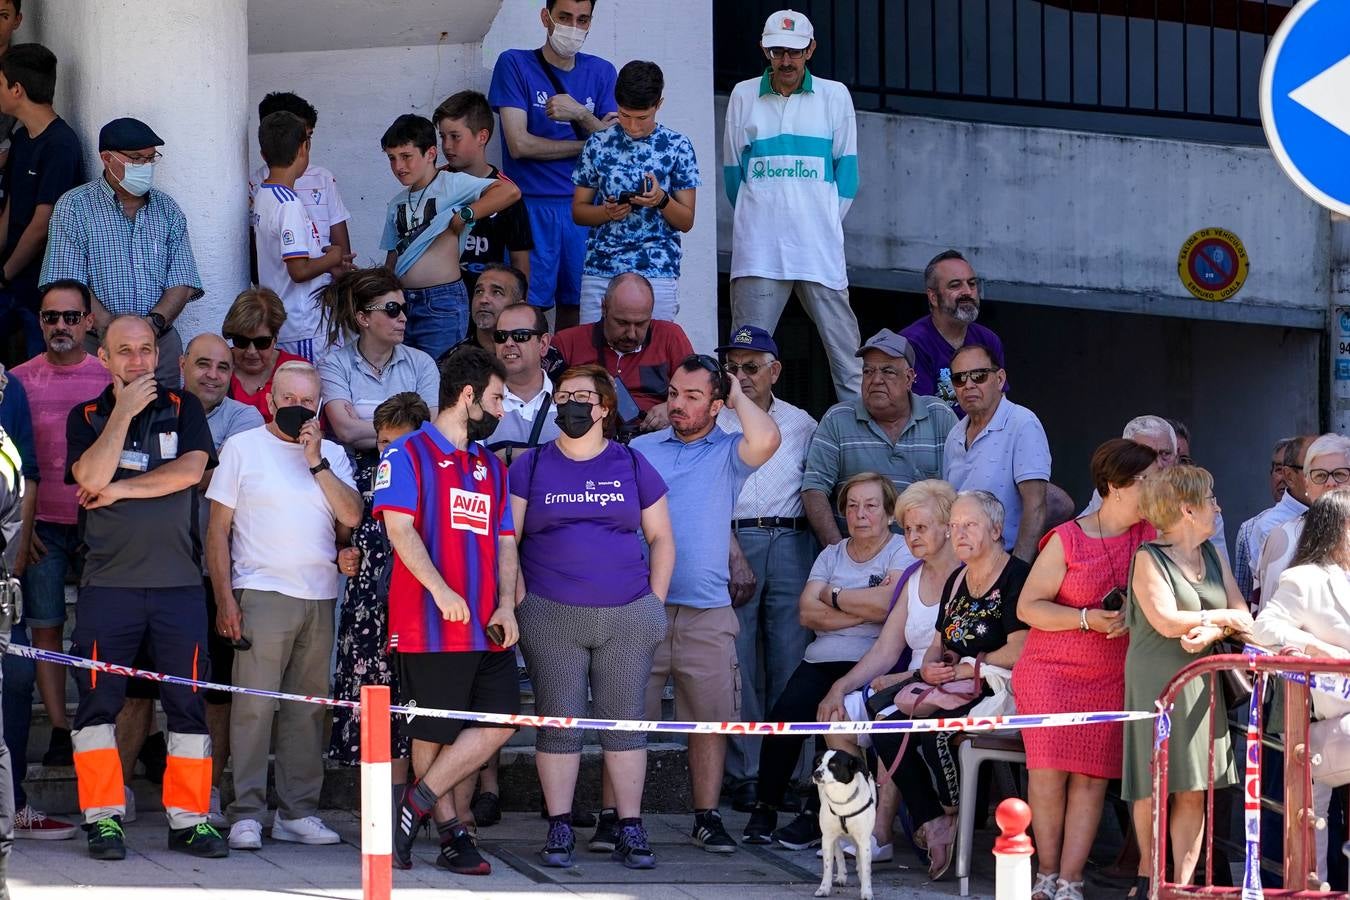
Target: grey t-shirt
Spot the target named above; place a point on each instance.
(835, 567)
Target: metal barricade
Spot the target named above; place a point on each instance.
(1289, 676)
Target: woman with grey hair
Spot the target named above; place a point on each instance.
(978, 618)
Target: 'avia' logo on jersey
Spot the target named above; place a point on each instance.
(470, 510)
(797, 168)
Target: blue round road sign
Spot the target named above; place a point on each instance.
(1305, 83)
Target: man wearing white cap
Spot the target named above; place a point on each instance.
(791, 158)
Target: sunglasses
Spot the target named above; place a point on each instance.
(392, 309)
(976, 376)
(750, 369)
(709, 364)
(239, 342)
(69, 316)
(519, 335)
(1320, 476)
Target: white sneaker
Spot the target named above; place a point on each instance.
(309, 830)
(880, 852)
(213, 813)
(129, 801)
(246, 834)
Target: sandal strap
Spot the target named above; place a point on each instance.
(1069, 890)
(1045, 886)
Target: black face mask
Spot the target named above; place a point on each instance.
(574, 418)
(290, 419)
(481, 429)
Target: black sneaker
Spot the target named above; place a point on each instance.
(744, 796)
(633, 850)
(710, 834)
(487, 809)
(461, 856)
(559, 847)
(801, 833)
(407, 822)
(760, 828)
(60, 750)
(107, 840)
(200, 840)
(606, 837)
(154, 756)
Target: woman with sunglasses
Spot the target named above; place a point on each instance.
(251, 328)
(366, 311)
(593, 609)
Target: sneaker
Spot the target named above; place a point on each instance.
(487, 809)
(744, 796)
(710, 834)
(561, 844)
(128, 805)
(407, 822)
(633, 850)
(60, 750)
(760, 828)
(36, 826)
(200, 840)
(107, 840)
(880, 852)
(606, 837)
(246, 834)
(801, 833)
(462, 857)
(213, 813)
(309, 830)
(154, 756)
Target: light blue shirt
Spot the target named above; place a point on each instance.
(346, 375)
(704, 478)
(414, 219)
(1011, 449)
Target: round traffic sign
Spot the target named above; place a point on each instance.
(1212, 264)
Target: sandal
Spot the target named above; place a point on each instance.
(941, 836)
(1140, 889)
(1069, 890)
(1043, 888)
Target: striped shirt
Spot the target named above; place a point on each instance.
(127, 263)
(849, 441)
(774, 489)
(460, 506)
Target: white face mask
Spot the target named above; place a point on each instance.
(566, 40)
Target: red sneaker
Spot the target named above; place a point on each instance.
(38, 826)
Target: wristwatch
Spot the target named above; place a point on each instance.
(158, 322)
(834, 597)
(321, 467)
(466, 213)
(665, 200)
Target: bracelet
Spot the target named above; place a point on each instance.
(1082, 620)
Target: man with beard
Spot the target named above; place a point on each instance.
(705, 468)
(495, 288)
(954, 304)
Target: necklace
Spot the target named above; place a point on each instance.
(379, 369)
(414, 209)
(1186, 566)
(991, 576)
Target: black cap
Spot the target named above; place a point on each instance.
(127, 134)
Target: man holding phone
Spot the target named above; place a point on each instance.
(279, 499)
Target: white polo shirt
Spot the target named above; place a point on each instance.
(1011, 449)
(775, 488)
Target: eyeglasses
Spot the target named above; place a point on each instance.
(780, 52)
(239, 342)
(750, 369)
(392, 309)
(69, 316)
(141, 160)
(561, 397)
(519, 335)
(1320, 476)
(977, 376)
(1276, 466)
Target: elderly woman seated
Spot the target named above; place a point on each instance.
(847, 597)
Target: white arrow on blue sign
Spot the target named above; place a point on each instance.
(1305, 100)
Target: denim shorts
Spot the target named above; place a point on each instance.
(44, 582)
(438, 317)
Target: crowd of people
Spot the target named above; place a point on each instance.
(499, 450)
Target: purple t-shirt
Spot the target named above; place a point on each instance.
(581, 544)
(933, 357)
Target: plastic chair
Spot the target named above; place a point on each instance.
(974, 752)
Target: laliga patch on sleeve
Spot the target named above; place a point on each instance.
(288, 237)
(382, 475)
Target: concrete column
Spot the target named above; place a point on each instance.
(181, 66)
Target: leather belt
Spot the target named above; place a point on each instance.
(791, 524)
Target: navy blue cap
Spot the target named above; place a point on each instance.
(750, 337)
(127, 134)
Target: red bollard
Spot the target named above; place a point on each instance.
(1012, 851)
(377, 815)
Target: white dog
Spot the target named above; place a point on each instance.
(848, 808)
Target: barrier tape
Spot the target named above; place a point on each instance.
(969, 723)
(1325, 682)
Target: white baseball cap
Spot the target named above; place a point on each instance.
(787, 28)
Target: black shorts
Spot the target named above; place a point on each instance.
(219, 650)
(475, 681)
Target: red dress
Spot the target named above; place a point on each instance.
(1073, 671)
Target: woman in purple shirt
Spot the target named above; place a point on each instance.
(593, 608)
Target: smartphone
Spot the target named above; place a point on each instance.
(243, 644)
(1114, 600)
(625, 197)
(496, 634)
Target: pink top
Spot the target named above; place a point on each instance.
(53, 391)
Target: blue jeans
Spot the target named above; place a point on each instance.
(44, 582)
(438, 317)
(772, 641)
(16, 696)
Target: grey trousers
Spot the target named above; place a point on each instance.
(292, 640)
(760, 301)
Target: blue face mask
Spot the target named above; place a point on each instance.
(136, 178)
